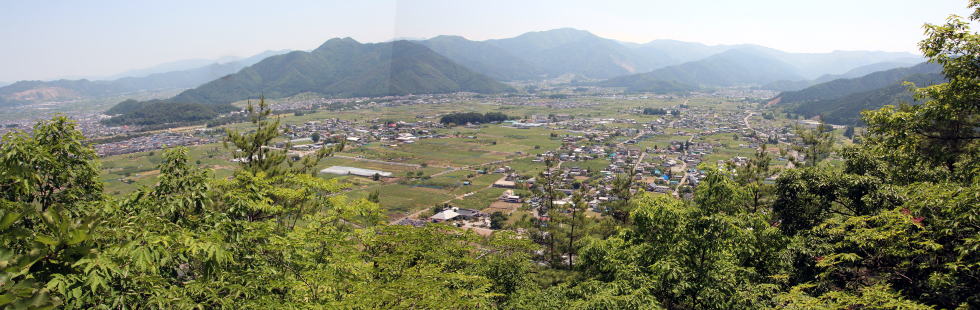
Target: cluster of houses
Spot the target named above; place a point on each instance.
(152, 142)
(90, 124)
(385, 132)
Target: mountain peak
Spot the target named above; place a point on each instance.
(563, 33)
(338, 42)
(346, 68)
(448, 38)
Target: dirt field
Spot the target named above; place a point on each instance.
(503, 207)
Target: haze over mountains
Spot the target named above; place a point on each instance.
(840, 101)
(27, 92)
(571, 51)
(786, 85)
(347, 68)
(733, 67)
(184, 64)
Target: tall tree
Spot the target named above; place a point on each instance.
(944, 128)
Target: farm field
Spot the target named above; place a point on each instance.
(456, 167)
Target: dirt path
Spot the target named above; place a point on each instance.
(378, 161)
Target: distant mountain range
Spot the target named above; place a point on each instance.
(558, 52)
(339, 67)
(184, 64)
(786, 85)
(346, 68)
(28, 92)
(733, 67)
(840, 101)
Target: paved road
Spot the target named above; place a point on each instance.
(749, 126)
(684, 178)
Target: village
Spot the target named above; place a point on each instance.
(660, 154)
(488, 176)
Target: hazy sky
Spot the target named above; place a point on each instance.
(49, 39)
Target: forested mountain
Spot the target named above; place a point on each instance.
(847, 109)
(814, 65)
(27, 92)
(853, 73)
(565, 51)
(842, 87)
(573, 51)
(841, 100)
(344, 67)
(729, 68)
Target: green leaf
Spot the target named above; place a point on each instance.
(8, 219)
(51, 241)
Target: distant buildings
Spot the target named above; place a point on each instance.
(456, 214)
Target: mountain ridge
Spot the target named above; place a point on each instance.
(840, 101)
(28, 92)
(343, 67)
(730, 68)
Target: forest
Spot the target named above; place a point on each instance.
(473, 118)
(895, 226)
(159, 112)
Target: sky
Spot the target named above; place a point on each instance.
(93, 38)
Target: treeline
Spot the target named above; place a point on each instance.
(660, 111)
(473, 118)
(652, 111)
(158, 112)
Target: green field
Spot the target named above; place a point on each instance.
(465, 149)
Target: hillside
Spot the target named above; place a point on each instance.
(648, 83)
(29, 92)
(847, 109)
(850, 74)
(571, 51)
(346, 68)
(843, 87)
(729, 68)
(814, 65)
